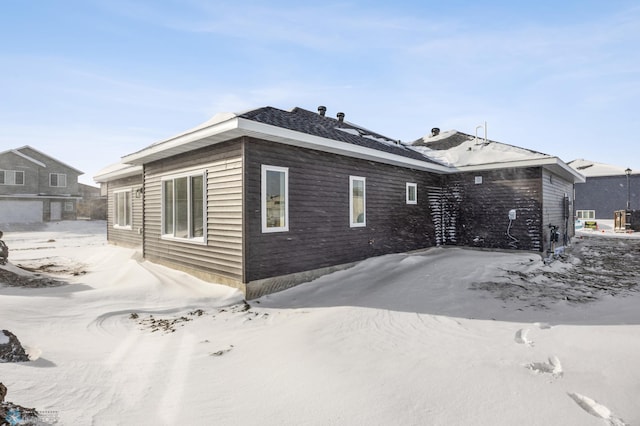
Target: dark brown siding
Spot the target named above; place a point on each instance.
(220, 259)
(119, 236)
(476, 214)
(319, 233)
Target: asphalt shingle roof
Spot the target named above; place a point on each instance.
(312, 123)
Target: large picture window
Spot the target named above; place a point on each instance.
(275, 199)
(58, 180)
(183, 207)
(11, 177)
(122, 212)
(357, 201)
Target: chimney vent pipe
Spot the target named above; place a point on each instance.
(435, 131)
(322, 110)
(340, 116)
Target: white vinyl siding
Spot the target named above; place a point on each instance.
(275, 199)
(11, 177)
(183, 207)
(57, 180)
(412, 193)
(357, 201)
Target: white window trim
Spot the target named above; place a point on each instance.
(353, 224)
(58, 179)
(193, 240)
(15, 173)
(263, 198)
(128, 213)
(415, 187)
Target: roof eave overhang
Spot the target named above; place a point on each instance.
(553, 164)
(238, 127)
(118, 174)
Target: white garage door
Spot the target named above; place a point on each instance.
(20, 211)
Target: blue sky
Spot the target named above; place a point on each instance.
(90, 81)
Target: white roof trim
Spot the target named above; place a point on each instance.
(117, 171)
(25, 156)
(551, 163)
(237, 126)
(48, 156)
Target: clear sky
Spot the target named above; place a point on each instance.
(88, 81)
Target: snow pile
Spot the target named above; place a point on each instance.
(474, 151)
(399, 339)
(594, 169)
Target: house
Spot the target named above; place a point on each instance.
(607, 189)
(93, 204)
(35, 187)
(267, 199)
(121, 184)
(490, 182)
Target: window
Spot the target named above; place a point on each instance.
(11, 177)
(585, 214)
(275, 199)
(68, 206)
(412, 193)
(122, 217)
(58, 180)
(357, 201)
(183, 207)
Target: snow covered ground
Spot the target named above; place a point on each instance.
(446, 336)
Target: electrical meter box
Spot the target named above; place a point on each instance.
(512, 214)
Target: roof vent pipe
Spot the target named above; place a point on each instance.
(340, 116)
(322, 110)
(435, 131)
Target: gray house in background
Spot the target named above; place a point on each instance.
(267, 199)
(605, 190)
(35, 187)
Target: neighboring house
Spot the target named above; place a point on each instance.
(269, 198)
(93, 204)
(35, 187)
(605, 190)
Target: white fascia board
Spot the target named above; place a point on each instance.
(552, 163)
(56, 160)
(238, 126)
(184, 143)
(118, 174)
(304, 140)
(25, 156)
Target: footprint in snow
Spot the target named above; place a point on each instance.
(521, 337)
(542, 325)
(596, 409)
(552, 367)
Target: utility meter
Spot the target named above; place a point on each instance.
(512, 214)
